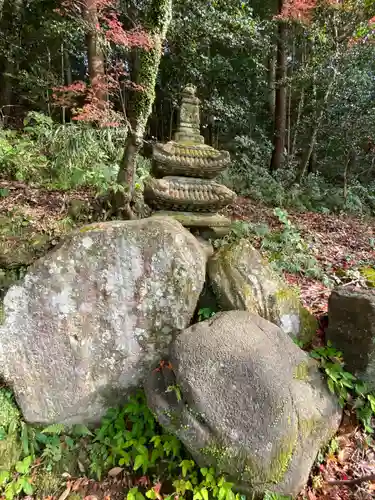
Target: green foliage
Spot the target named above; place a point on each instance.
(288, 250)
(192, 482)
(130, 437)
(275, 496)
(125, 437)
(40, 448)
(369, 274)
(349, 389)
(9, 413)
(65, 156)
(205, 313)
(285, 248)
(315, 192)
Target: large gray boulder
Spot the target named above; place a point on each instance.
(90, 318)
(351, 329)
(245, 399)
(243, 280)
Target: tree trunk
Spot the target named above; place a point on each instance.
(95, 56)
(280, 100)
(271, 81)
(1, 8)
(315, 130)
(312, 162)
(67, 68)
(12, 11)
(142, 102)
(301, 104)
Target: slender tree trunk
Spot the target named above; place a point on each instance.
(315, 130)
(312, 163)
(280, 102)
(272, 82)
(11, 34)
(171, 120)
(298, 120)
(346, 169)
(301, 104)
(142, 102)
(1, 8)
(6, 87)
(67, 68)
(95, 56)
(289, 99)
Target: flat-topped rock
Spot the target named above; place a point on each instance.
(194, 219)
(351, 329)
(89, 319)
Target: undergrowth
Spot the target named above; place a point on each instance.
(351, 391)
(128, 439)
(285, 249)
(249, 176)
(64, 156)
(288, 251)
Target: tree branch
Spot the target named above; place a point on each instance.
(352, 482)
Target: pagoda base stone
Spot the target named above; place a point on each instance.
(194, 219)
(209, 226)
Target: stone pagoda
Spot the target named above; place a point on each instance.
(183, 170)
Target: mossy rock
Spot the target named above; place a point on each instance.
(10, 451)
(21, 242)
(254, 406)
(243, 280)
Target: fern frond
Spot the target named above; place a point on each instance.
(57, 429)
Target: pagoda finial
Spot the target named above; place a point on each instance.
(188, 130)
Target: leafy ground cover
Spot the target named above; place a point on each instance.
(314, 251)
(341, 244)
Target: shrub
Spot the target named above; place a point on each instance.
(65, 156)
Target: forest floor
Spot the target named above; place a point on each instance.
(338, 242)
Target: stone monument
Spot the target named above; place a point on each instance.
(183, 170)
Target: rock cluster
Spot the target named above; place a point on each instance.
(91, 320)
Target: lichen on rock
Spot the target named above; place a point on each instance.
(243, 280)
(247, 407)
(88, 320)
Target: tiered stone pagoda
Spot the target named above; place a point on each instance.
(183, 170)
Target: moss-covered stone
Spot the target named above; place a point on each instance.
(301, 371)
(308, 426)
(80, 293)
(243, 280)
(9, 413)
(2, 313)
(282, 458)
(21, 243)
(259, 410)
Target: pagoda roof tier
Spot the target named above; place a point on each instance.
(181, 193)
(189, 160)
